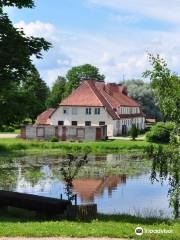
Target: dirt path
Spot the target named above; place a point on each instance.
(127, 138)
(8, 135)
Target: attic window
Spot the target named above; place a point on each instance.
(65, 110)
(97, 111)
(74, 111)
(88, 111)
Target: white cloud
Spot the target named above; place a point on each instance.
(129, 19)
(39, 29)
(157, 9)
(115, 55)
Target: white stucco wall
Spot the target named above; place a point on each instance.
(114, 127)
(81, 117)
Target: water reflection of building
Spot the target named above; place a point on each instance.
(88, 189)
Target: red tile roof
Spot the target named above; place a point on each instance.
(92, 93)
(44, 117)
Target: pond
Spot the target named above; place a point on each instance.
(116, 183)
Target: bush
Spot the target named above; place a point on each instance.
(134, 132)
(160, 133)
(6, 128)
(54, 139)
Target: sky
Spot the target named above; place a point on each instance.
(113, 35)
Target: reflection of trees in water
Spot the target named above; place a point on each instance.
(8, 174)
(166, 166)
(8, 178)
(33, 175)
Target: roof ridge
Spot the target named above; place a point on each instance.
(109, 103)
(96, 91)
(87, 83)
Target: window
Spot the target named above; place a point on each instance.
(88, 111)
(74, 111)
(87, 123)
(97, 111)
(40, 132)
(65, 110)
(60, 123)
(74, 123)
(80, 133)
(101, 123)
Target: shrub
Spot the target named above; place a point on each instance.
(160, 132)
(134, 132)
(54, 139)
(5, 128)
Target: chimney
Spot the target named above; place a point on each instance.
(111, 87)
(124, 90)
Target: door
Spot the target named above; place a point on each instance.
(124, 130)
(63, 133)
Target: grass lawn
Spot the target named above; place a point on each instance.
(104, 226)
(40, 147)
(16, 131)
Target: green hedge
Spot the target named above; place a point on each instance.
(160, 133)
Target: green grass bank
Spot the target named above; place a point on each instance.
(118, 226)
(17, 146)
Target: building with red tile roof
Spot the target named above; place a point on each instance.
(97, 103)
(44, 118)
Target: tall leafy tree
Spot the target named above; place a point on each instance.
(79, 73)
(166, 88)
(57, 92)
(16, 51)
(35, 92)
(24, 101)
(141, 91)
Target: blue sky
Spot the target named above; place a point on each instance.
(114, 35)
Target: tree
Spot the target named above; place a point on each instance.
(16, 51)
(166, 88)
(160, 133)
(142, 92)
(56, 95)
(35, 93)
(84, 72)
(24, 101)
(134, 132)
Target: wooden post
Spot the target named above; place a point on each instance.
(75, 199)
(56, 132)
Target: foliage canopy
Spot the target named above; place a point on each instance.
(16, 51)
(166, 88)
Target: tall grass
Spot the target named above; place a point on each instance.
(14, 145)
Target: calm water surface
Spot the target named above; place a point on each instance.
(117, 183)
